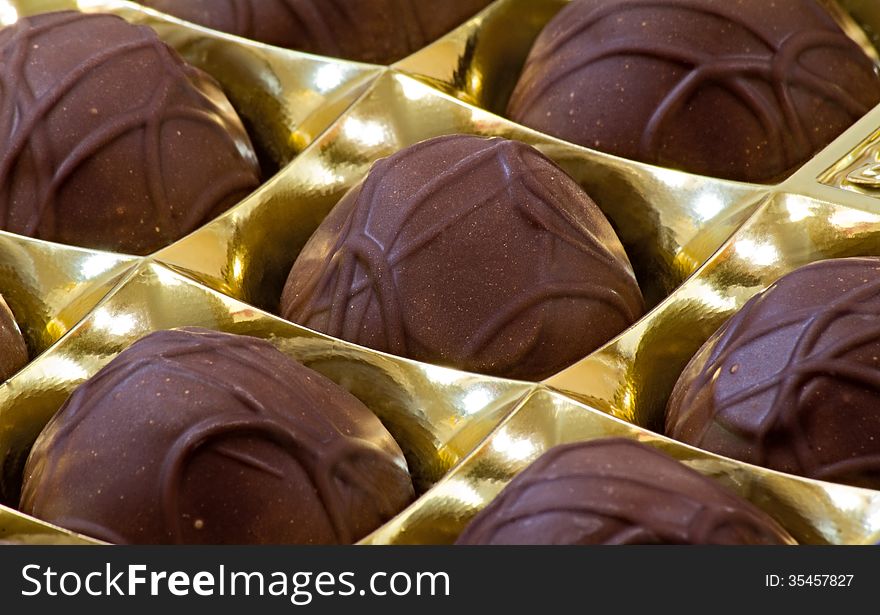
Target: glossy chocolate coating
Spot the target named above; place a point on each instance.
(108, 140)
(792, 382)
(13, 350)
(193, 436)
(746, 90)
(376, 31)
(476, 253)
(616, 492)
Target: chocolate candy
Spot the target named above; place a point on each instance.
(193, 436)
(471, 252)
(746, 90)
(616, 492)
(13, 350)
(792, 382)
(108, 140)
(377, 31)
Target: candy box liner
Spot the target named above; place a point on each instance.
(700, 247)
(813, 512)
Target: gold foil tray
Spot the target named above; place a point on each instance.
(700, 247)
(50, 287)
(805, 219)
(812, 511)
(670, 222)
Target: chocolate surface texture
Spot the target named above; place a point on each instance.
(476, 253)
(376, 31)
(792, 382)
(616, 492)
(192, 436)
(108, 139)
(13, 350)
(746, 90)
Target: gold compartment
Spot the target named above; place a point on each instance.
(812, 511)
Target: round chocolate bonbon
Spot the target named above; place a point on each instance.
(792, 381)
(616, 492)
(746, 90)
(377, 31)
(471, 252)
(194, 436)
(108, 139)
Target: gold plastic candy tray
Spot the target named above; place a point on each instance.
(700, 247)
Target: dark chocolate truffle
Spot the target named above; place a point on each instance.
(746, 90)
(13, 350)
(792, 382)
(377, 31)
(193, 436)
(617, 492)
(108, 139)
(476, 253)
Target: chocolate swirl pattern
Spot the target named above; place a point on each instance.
(471, 252)
(193, 436)
(746, 90)
(792, 382)
(617, 492)
(108, 140)
(376, 31)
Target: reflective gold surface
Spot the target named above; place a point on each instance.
(701, 247)
(669, 221)
(865, 13)
(813, 512)
(50, 287)
(632, 376)
(16, 528)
